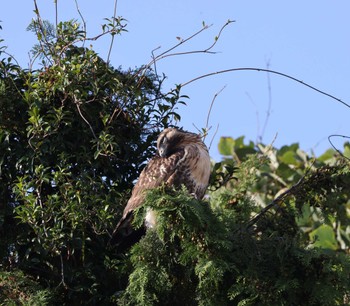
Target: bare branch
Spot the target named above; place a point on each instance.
(56, 12)
(183, 41)
(269, 71)
(63, 283)
(82, 116)
(206, 129)
(211, 106)
(257, 115)
(81, 17)
(112, 40)
(154, 61)
(268, 112)
(212, 139)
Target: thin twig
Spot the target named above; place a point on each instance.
(257, 115)
(82, 19)
(62, 272)
(112, 40)
(209, 112)
(268, 112)
(269, 71)
(82, 116)
(212, 139)
(42, 213)
(211, 106)
(56, 12)
(154, 61)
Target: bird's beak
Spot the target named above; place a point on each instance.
(161, 152)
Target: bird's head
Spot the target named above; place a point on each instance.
(172, 140)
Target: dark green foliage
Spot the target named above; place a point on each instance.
(183, 261)
(217, 256)
(74, 135)
(18, 289)
(295, 253)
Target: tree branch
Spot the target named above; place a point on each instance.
(82, 18)
(113, 34)
(269, 71)
(211, 106)
(334, 147)
(206, 129)
(278, 200)
(77, 103)
(183, 41)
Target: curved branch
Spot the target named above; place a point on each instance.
(269, 71)
(334, 147)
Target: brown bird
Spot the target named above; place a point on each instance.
(182, 159)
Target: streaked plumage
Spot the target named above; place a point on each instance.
(182, 159)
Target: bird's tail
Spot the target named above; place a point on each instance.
(124, 236)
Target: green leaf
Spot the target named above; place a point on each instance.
(293, 147)
(346, 152)
(324, 237)
(289, 158)
(329, 154)
(226, 145)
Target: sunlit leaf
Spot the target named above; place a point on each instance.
(346, 151)
(226, 145)
(324, 237)
(329, 154)
(289, 157)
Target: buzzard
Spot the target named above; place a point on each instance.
(182, 159)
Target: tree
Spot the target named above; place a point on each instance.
(74, 135)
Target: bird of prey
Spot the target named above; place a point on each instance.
(182, 159)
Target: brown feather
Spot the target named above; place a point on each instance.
(183, 160)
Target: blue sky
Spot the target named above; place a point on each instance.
(309, 40)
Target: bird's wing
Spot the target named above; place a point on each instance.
(159, 170)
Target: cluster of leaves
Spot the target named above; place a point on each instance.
(18, 289)
(299, 239)
(182, 261)
(323, 213)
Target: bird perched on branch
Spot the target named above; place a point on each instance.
(182, 159)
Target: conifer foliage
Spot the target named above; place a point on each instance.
(75, 133)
